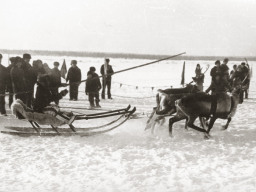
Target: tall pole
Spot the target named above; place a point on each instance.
(150, 63)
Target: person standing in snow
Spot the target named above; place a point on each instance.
(93, 86)
(106, 71)
(74, 78)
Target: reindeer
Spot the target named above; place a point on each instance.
(202, 105)
(165, 100)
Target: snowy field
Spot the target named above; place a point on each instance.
(128, 158)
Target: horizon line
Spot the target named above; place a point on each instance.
(116, 54)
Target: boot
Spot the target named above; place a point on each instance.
(92, 106)
(97, 105)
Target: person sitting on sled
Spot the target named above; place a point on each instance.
(43, 113)
(93, 86)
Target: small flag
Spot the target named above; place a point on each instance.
(63, 70)
(183, 75)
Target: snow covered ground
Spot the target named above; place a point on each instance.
(128, 158)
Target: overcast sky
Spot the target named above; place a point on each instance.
(205, 27)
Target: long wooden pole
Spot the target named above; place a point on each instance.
(131, 68)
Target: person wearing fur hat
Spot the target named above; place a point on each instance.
(3, 85)
(93, 86)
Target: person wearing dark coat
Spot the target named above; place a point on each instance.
(55, 75)
(3, 86)
(18, 80)
(215, 70)
(225, 70)
(30, 79)
(74, 78)
(106, 71)
(246, 73)
(9, 81)
(240, 78)
(44, 96)
(233, 71)
(93, 86)
(218, 85)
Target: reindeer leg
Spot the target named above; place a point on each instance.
(212, 121)
(151, 115)
(203, 122)
(227, 124)
(186, 124)
(162, 121)
(179, 116)
(191, 120)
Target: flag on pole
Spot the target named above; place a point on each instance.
(183, 75)
(63, 70)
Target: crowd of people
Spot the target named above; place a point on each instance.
(20, 78)
(223, 80)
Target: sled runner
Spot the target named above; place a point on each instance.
(124, 114)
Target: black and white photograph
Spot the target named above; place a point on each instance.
(127, 96)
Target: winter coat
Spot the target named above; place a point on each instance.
(224, 71)
(30, 76)
(55, 77)
(109, 72)
(3, 79)
(93, 82)
(9, 79)
(215, 71)
(18, 79)
(74, 75)
(221, 86)
(44, 97)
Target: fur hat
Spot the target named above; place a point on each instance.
(217, 62)
(225, 60)
(56, 63)
(13, 59)
(107, 60)
(92, 69)
(18, 59)
(74, 62)
(26, 56)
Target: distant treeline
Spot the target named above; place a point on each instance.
(119, 55)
